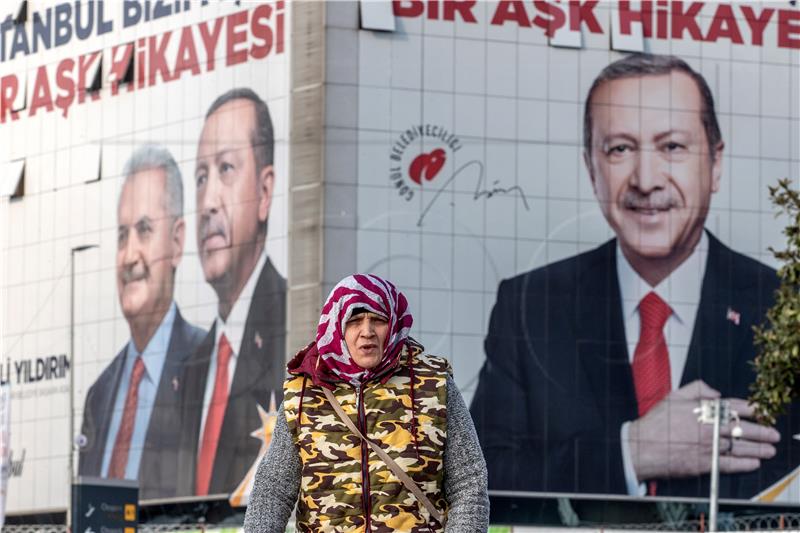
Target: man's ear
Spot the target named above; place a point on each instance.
(587, 160)
(266, 186)
(178, 238)
(716, 166)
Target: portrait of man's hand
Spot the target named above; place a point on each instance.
(669, 442)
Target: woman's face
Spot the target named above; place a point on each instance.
(365, 335)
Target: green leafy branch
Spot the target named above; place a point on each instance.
(777, 364)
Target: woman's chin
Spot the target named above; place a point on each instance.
(367, 361)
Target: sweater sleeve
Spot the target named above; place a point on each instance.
(465, 478)
(277, 483)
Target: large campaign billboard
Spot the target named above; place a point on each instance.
(144, 233)
(574, 196)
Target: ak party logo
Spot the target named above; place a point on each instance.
(419, 157)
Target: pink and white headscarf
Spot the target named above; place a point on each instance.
(372, 293)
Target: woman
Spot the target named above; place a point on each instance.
(405, 403)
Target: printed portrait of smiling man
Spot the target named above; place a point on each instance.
(241, 363)
(655, 157)
(629, 337)
(132, 411)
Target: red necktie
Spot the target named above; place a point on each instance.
(122, 444)
(651, 373)
(216, 413)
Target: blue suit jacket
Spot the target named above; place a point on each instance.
(158, 467)
(557, 385)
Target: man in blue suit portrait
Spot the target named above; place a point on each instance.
(131, 421)
(595, 363)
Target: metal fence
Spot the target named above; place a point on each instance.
(142, 528)
(761, 522)
(36, 528)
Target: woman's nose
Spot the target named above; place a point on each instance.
(368, 330)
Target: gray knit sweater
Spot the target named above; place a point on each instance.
(465, 482)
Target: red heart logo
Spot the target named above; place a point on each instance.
(427, 165)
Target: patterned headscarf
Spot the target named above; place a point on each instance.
(374, 294)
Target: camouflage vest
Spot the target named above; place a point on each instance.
(335, 493)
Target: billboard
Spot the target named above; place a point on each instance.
(574, 198)
(145, 166)
(591, 271)
(5, 409)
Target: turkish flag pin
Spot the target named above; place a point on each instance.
(733, 316)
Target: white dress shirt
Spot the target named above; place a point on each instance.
(681, 291)
(233, 328)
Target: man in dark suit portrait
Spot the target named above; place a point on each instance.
(240, 364)
(595, 363)
(131, 415)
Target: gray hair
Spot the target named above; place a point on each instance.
(639, 64)
(155, 157)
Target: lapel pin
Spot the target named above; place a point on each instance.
(733, 316)
(258, 340)
(175, 384)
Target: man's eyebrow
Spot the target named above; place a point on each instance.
(621, 134)
(665, 134)
(605, 139)
(145, 219)
(222, 153)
